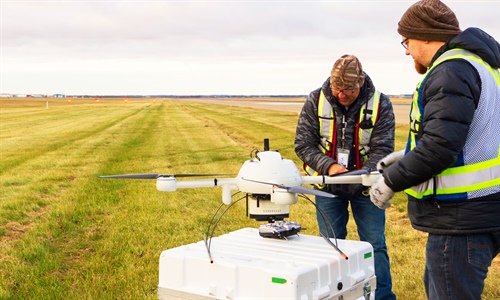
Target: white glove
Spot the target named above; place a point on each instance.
(380, 194)
(389, 160)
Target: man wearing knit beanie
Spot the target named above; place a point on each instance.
(429, 20)
(450, 167)
(347, 125)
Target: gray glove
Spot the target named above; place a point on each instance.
(389, 160)
(380, 194)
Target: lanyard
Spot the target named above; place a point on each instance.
(344, 125)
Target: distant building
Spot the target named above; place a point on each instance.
(58, 96)
(6, 95)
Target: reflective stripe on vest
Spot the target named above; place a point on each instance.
(327, 129)
(364, 134)
(477, 174)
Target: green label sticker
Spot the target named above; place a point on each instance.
(368, 255)
(278, 280)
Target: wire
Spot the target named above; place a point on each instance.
(207, 237)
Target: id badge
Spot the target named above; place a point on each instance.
(343, 157)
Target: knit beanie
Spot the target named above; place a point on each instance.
(429, 20)
(347, 72)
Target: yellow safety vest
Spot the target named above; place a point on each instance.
(477, 172)
(368, 116)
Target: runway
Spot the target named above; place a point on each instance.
(401, 108)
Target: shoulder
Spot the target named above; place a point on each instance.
(451, 79)
(452, 74)
(384, 99)
(312, 99)
(314, 95)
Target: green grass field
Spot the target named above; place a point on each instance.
(67, 234)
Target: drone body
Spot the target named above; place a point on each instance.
(270, 182)
(264, 179)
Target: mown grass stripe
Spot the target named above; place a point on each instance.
(22, 147)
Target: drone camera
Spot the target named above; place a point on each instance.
(261, 209)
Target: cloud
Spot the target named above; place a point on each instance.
(198, 47)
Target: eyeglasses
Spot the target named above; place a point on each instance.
(404, 43)
(345, 91)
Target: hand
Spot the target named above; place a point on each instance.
(389, 160)
(380, 194)
(335, 169)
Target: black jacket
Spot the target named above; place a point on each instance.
(450, 96)
(308, 136)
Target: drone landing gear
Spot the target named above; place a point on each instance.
(279, 229)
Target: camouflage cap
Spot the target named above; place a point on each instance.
(347, 72)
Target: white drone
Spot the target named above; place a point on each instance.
(270, 182)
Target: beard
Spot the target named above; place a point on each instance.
(421, 69)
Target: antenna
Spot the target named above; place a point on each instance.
(266, 144)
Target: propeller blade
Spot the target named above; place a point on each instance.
(134, 176)
(156, 176)
(195, 175)
(304, 190)
(263, 182)
(297, 189)
(355, 172)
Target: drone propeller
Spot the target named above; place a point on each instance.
(304, 190)
(355, 172)
(296, 189)
(156, 176)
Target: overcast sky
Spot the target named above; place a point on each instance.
(207, 47)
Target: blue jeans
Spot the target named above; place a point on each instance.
(371, 227)
(456, 265)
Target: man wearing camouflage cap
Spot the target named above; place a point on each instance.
(451, 166)
(348, 125)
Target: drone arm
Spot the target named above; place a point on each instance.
(201, 183)
(170, 184)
